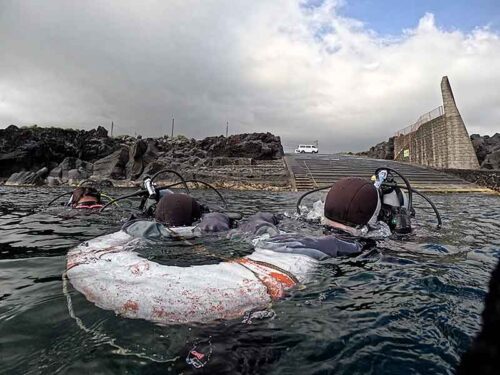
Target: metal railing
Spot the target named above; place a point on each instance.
(426, 117)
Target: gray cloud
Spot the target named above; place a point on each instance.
(304, 74)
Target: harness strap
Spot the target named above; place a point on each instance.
(274, 278)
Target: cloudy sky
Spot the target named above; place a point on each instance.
(346, 73)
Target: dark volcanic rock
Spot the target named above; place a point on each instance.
(259, 146)
(383, 150)
(141, 154)
(28, 178)
(113, 166)
(492, 161)
(72, 164)
(485, 145)
(72, 155)
(34, 148)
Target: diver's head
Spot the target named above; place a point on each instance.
(85, 195)
(178, 210)
(350, 203)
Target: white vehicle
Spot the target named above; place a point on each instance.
(311, 149)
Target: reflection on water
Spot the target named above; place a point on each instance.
(410, 306)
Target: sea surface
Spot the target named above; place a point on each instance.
(410, 306)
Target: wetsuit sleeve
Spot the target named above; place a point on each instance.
(259, 224)
(215, 222)
(317, 248)
(150, 230)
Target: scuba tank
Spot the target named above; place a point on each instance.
(396, 209)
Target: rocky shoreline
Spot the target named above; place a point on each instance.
(484, 177)
(53, 156)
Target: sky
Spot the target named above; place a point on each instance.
(346, 73)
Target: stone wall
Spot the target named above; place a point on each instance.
(426, 146)
(442, 142)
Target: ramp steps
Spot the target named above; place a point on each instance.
(312, 171)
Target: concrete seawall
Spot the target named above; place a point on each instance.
(439, 139)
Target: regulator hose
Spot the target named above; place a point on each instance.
(199, 182)
(137, 193)
(183, 181)
(71, 193)
(434, 208)
(438, 216)
(405, 180)
(306, 194)
(59, 196)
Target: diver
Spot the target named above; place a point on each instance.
(351, 204)
(85, 197)
(356, 212)
(111, 274)
(117, 278)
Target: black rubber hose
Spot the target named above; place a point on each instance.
(183, 181)
(137, 193)
(306, 194)
(59, 196)
(407, 183)
(438, 216)
(199, 182)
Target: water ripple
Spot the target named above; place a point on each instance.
(409, 306)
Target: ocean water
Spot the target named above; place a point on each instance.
(410, 306)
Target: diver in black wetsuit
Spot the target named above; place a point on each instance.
(351, 209)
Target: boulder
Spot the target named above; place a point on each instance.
(485, 145)
(491, 161)
(112, 166)
(77, 174)
(77, 166)
(53, 181)
(27, 178)
(142, 154)
(155, 167)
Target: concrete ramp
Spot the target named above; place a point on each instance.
(311, 171)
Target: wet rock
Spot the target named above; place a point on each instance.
(27, 178)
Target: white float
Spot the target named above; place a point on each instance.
(113, 276)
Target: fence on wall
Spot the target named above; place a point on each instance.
(426, 117)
